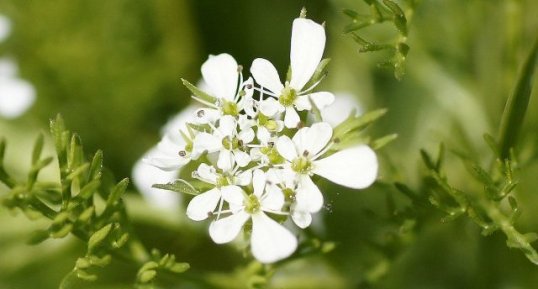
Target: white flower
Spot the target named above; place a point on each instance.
(16, 95)
(175, 148)
(146, 175)
(203, 205)
(270, 241)
(225, 82)
(354, 167)
(307, 45)
(344, 104)
(227, 141)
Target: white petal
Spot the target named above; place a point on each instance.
(273, 199)
(248, 87)
(265, 74)
(246, 135)
(226, 229)
(286, 148)
(178, 122)
(244, 178)
(203, 204)
(167, 163)
(16, 96)
(302, 103)
(342, 107)
(205, 115)
(322, 99)
(220, 74)
(354, 167)
(207, 173)
(307, 45)
(227, 125)
(308, 197)
(226, 161)
(301, 218)
(317, 137)
(270, 241)
(169, 146)
(291, 119)
(206, 142)
(233, 194)
(269, 107)
(258, 181)
(263, 135)
(146, 175)
(241, 158)
(300, 139)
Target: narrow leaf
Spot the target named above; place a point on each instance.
(516, 105)
(198, 92)
(179, 186)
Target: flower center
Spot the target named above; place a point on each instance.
(287, 96)
(252, 204)
(301, 165)
(265, 121)
(222, 181)
(272, 154)
(229, 108)
(231, 143)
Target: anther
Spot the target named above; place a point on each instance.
(182, 153)
(200, 113)
(305, 154)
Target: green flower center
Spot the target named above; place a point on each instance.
(301, 165)
(266, 122)
(229, 108)
(231, 143)
(272, 154)
(252, 204)
(287, 96)
(222, 181)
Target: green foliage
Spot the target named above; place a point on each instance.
(484, 208)
(516, 106)
(381, 12)
(148, 272)
(351, 131)
(83, 203)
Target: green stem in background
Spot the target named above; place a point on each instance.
(516, 105)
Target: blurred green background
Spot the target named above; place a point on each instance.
(113, 68)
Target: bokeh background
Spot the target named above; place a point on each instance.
(113, 68)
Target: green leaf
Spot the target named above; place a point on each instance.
(98, 237)
(319, 73)
(96, 166)
(198, 93)
(516, 105)
(38, 148)
(351, 13)
(179, 186)
(357, 122)
(383, 141)
(399, 17)
(117, 192)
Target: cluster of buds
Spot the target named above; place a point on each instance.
(254, 145)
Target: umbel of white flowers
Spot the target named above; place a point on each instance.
(256, 155)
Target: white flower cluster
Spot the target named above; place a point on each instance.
(253, 153)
